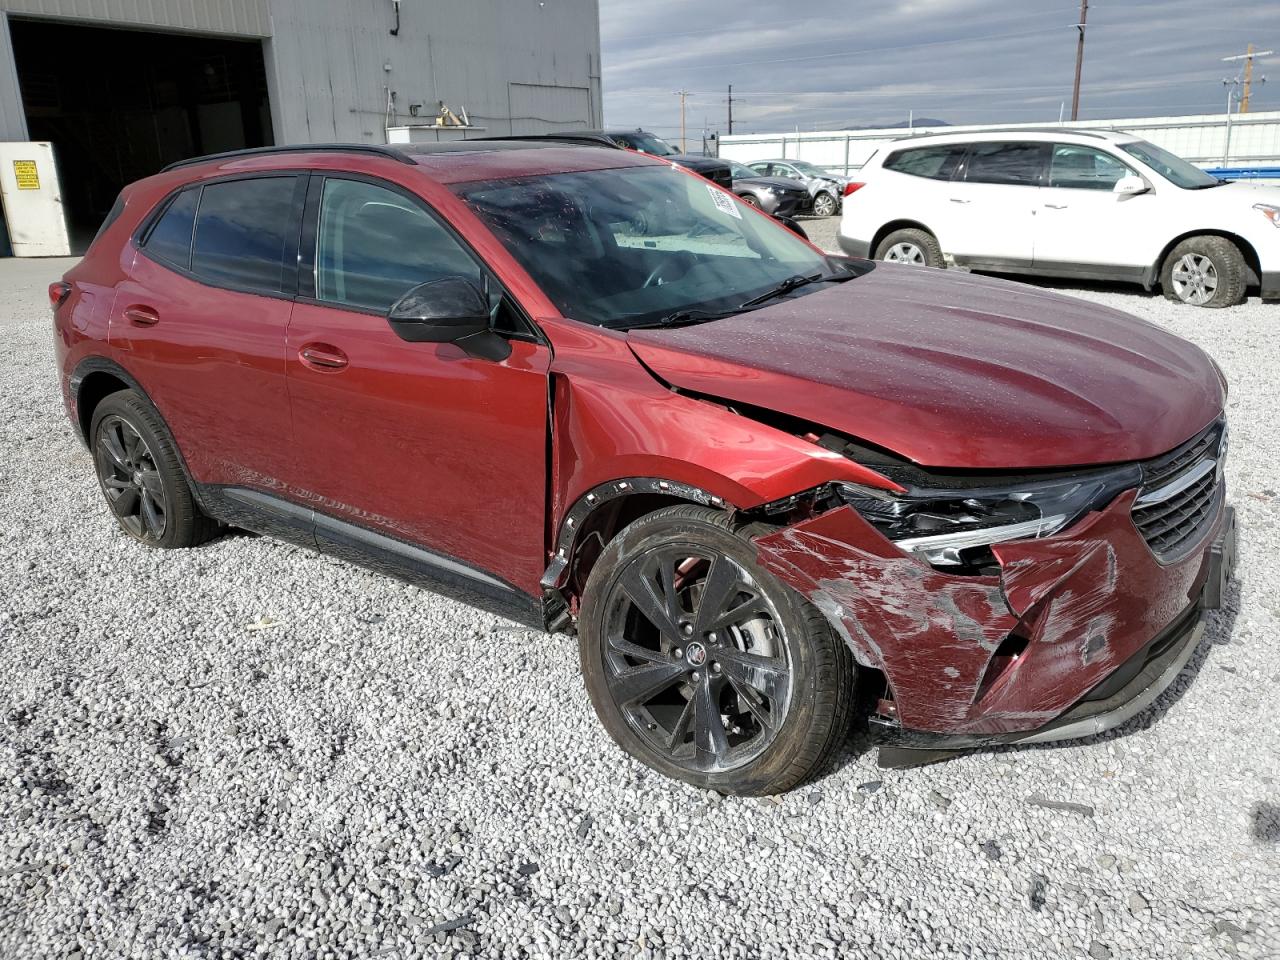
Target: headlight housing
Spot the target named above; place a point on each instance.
(952, 529)
(1270, 211)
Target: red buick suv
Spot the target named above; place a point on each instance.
(598, 394)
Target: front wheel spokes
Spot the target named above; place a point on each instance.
(634, 684)
(112, 444)
(767, 675)
(710, 739)
(640, 587)
(152, 514)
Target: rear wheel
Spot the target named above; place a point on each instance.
(1204, 272)
(141, 477)
(702, 665)
(824, 205)
(912, 246)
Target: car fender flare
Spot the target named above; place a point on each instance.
(575, 518)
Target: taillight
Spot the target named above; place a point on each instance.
(58, 293)
(852, 188)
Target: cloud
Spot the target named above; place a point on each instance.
(826, 65)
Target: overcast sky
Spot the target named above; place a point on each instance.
(829, 64)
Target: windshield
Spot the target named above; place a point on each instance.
(645, 143)
(628, 247)
(809, 170)
(1170, 166)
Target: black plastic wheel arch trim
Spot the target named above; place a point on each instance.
(557, 571)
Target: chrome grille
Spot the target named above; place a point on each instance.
(1180, 494)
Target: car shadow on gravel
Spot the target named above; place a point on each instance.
(1266, 822)
(1219, 628)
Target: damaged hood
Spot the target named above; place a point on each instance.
(952, 370)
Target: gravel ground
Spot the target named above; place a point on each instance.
(248, 749)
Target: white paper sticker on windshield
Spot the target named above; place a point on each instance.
(724, 203)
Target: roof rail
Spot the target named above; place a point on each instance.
(1068, 131)
(383, 151)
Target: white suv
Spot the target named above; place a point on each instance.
(1096, 205)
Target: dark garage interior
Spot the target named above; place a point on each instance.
(120, 104)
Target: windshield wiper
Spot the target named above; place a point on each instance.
(793, 283)
(683, 317)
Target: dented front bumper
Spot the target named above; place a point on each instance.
(976, 660)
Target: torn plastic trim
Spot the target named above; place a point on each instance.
(557, 571)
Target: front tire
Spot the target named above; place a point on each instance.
(702, 665)
(1204, 272)
(913, 246)
(141, 477)
(824, 205)
(749, 199)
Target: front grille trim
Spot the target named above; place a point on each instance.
(1181, 495)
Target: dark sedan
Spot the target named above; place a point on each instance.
(774, 195)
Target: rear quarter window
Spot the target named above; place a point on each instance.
(935, 163)
(170, 238)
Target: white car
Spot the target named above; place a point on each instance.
(1094, 205)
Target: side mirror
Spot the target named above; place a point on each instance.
(448, 310)
(1130, 185)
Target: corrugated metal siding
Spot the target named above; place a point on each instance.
(329, 58)
(244, 18)
(13, 118)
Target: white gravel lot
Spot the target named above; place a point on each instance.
(250, 750)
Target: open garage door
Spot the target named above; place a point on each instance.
(120, 104)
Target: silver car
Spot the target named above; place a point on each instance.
(826, 188)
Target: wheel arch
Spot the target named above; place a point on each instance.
(96, 378)
(1252, 262)
(891, 226)
(600, 514)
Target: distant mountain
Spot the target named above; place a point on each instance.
(902, 125)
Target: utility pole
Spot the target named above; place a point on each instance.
(1247, 82)
(1075, 95)
(731, 109)
(682, 94)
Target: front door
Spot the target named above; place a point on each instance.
(418, 442)
(1083, 224)
(990, 208)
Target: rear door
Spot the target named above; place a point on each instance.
(993, 204)
(1083, 223)
(201, 319)
(418, 442)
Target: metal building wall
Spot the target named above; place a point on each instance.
(514, 65)
(242, 18)
(517, 66)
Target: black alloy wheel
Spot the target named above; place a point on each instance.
(695, 658)
(703, 665)
(141, 474)
(130, 479)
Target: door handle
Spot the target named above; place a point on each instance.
(958, 200)
(1056, 206)
(141, 316)
(323, 356)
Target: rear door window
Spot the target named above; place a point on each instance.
(242, 232)
(170, 238)
(935, 163)
(1016, 164)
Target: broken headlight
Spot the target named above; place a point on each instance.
(953, 528)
